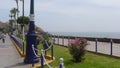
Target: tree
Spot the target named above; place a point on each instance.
(17, 7)
(22, 19)
(14, 12)
(77, 48)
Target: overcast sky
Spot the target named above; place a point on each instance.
(70, 15)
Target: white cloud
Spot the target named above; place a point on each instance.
(59, 6)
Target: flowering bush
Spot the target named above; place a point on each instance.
(40, 38)
(77, 48)
(44, 38)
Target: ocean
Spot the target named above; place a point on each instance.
(113, 35)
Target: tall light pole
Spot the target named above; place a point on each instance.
(31, 38)
(11, 22)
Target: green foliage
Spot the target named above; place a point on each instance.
(14, 11)
(4, 30)
(11, 22)
(22, 19)
(45, 36)
(1, 29)
(77, 49)
(92, 60)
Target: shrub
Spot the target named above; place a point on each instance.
(43, 38)
(77, 48)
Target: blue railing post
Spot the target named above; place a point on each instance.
(63, 41)
(111, 43)
(42, 60)
(54, 39)
(68, 40)
(52, 53)
(32, 60)
(96, 40)
(23, 47)
(61, 63)
(58, 39)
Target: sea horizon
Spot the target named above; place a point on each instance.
(113, 35)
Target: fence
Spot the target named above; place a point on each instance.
(42, 56)
(18, 42)
(105, 46)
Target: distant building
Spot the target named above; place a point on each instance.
(2, 25)
(38, 29)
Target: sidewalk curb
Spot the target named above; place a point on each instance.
(18, 49)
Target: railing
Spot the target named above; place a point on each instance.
(18, 42)
(105, 46)
(43, 59)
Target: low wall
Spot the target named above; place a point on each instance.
(90, 38)
(105, 46)
(18, 44)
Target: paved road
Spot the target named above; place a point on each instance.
(9, 57)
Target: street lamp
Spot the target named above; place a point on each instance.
(11, 22)
(31, 38)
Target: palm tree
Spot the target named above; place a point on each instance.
(25, 18)
(14, 12)
(17, 7)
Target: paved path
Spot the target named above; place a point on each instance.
(104, 47)
(9, 57)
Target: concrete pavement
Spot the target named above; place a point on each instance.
(9, 57)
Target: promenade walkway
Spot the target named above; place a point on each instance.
(9, 57)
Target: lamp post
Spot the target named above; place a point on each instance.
(11, 22)
(31, 38)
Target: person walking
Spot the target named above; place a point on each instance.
(3, 38)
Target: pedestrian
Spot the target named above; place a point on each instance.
(3, 38)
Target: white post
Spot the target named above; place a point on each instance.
(61, 63)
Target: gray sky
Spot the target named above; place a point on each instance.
(70, 15)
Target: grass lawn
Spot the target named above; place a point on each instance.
(91, 60)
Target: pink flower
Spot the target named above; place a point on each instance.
(71, 41)
(40, 36)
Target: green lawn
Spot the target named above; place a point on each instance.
(91, 60)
